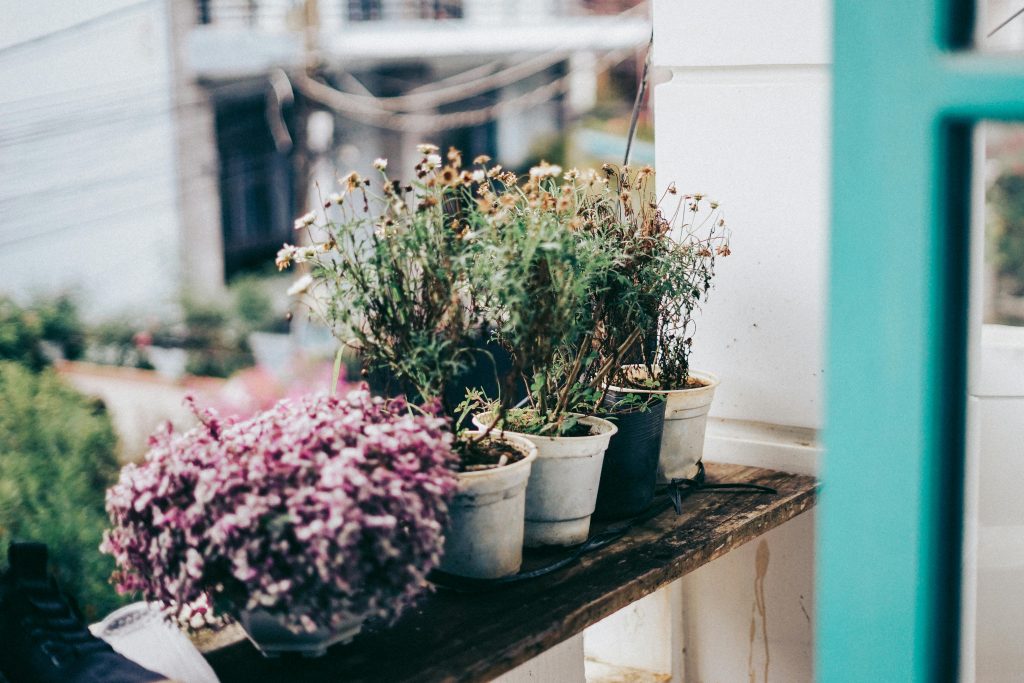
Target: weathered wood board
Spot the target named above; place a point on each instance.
(476, 636)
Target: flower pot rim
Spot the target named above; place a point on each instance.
(593, 420)
(531, 455)
(711, 379)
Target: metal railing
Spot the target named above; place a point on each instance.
(288, 14)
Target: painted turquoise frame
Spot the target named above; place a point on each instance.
(907, 93)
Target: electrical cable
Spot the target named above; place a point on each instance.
(71, 28)
(359, 110)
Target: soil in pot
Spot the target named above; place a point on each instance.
(630, 470)
(479, 455)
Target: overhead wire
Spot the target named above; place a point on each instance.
(70, 29)
(360, 109)
(386, 112)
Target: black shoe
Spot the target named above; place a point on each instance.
(43, 638)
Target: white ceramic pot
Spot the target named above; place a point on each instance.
(686, 421)
(484, 538)
(562, 490)
(272, 638)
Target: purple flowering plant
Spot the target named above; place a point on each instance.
(320, 510)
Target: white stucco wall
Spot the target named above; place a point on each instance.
(87, 170)
(742, 114)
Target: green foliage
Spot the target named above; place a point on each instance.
(56, 461)
(393, 270)
(112, 342)
(633, 403)
(1007, 228)
(572, 274)
(20, 334)
(664, 271)
(62, 325)
(214, 342)
(253, 307)
(536, 278)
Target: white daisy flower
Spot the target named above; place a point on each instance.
(545, 170)
(305, 221)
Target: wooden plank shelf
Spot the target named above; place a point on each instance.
(454, 636)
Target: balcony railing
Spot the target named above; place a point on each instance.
(278, 15)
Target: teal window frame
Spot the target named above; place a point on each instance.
(907, 93)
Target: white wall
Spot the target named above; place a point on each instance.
(742, 114)
(87, 170)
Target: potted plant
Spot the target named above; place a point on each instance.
(659, 288)
(389, 270)
(302, 521)
(536, 277)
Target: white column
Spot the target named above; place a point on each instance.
(742, 114)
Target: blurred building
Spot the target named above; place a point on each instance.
(154, 146)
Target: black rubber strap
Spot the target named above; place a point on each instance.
(680, 489)
(677, 490)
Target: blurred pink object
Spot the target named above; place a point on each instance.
(255, 389)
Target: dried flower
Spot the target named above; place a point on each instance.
(448, 176)
(426, 148)
(380, 164)
(352, 181)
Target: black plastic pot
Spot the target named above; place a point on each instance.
(489, 360)
(630, 468)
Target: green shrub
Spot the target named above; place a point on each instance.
(56, 461)
(62, 325)
(254, 307)
(20, 333)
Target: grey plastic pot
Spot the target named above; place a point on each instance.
(484, 537)
(562, 490)
(686, 421)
